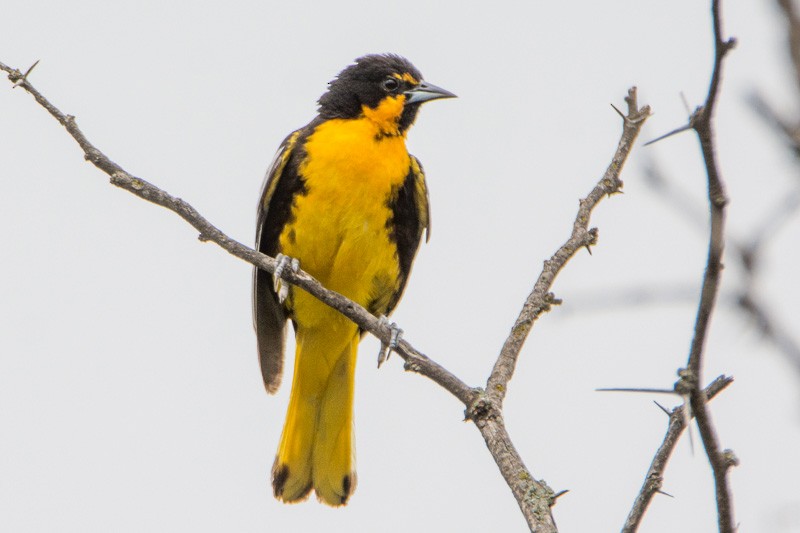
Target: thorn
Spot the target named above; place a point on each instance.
(620, 113)
(686, 105)
(670, 134)
(623, 389)
(667, 411)
(588, 249)
(559, 494)
(659, 491)
(24, 77)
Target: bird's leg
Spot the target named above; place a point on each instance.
(394, 339)
(282, 289)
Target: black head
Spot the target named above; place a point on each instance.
(370, 81)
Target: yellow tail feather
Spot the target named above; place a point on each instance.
(316, 449)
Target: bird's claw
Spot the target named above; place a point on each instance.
(394, 340)
(281, 288)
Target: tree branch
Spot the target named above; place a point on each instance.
(655, 474)
(534, 498)
(793, 26)
(540, 299)
(747, 254)
(415, 360)
(691, 377)
(701, 122)
(769, 115)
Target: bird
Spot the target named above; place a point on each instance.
(346, 202)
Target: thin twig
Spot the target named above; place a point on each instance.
(701, 122)
(655, 474)
(540, 299)
(793, 23)
(770, 327)
(535, 497)
(691, 377)
(746, 253)
(768, 114)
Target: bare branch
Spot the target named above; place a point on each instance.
(793, 23)
(415, 360)
(769, 115)
(655, 474)
(534, 497)
(781, 212)
(701, 122)
(746, 253)
(771, 329)
(540, 299)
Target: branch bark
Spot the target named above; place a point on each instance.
(655, 474)
(540, 299)
(701, 122)
(419, 362)
(534, 497)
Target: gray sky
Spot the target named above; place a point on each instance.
(130, 395)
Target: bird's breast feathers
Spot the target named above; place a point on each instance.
(339, 229)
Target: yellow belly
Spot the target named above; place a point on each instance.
(338, 229)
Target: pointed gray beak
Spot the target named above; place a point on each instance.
(426, 91)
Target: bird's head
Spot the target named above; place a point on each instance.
(387, 89)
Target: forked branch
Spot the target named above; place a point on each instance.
(485, 409)
(691, 377)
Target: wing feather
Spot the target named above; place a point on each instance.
(269, 315)
(410, 218)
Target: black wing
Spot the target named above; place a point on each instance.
(274, 208)
(410, 218)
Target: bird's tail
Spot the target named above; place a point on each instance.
(316, 449)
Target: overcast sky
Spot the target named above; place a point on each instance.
(130, 394)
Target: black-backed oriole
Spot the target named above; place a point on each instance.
(346, 199)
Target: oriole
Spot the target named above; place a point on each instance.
(345, 198)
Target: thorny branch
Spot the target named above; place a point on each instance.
(702, 124)
(147, 191)
(540, 299)
(655, 474)
(487, 411)
(691, 377)
(747, 253)
(534, 497)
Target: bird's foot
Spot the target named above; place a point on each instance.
(281, 288)
(394, 339)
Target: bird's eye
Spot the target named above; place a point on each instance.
(390, 84)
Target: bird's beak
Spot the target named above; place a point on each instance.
(426, 91)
